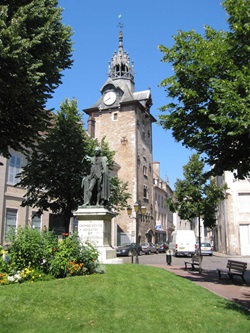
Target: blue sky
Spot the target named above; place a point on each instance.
(146, 24)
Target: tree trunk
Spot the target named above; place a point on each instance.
(67, 218)
(199, 235)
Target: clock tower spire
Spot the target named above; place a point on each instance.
(120, 67)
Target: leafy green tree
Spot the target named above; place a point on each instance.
(35, 47)
(52, 175)
(55, 168)
(195, 196)
(118, 194)
(210, 108)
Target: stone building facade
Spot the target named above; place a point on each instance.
(233, 227)
(164, 218)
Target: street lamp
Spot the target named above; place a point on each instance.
(139, 211)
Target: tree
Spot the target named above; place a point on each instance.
(118, 194)
(195, 196)
(35, 47)
(52, 175)
(55, 168)
(210, 111)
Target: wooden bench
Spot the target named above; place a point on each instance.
(234, 267)
(195, 261)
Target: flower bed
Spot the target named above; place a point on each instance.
(33, 256)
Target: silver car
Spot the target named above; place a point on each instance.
(148, 248)
(206, 248)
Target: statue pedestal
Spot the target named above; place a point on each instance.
(94, 225)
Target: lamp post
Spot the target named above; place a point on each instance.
(139, 211)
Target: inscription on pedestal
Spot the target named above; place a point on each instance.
(91, 231)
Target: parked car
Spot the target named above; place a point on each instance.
(206, 248)
(128, 250)
(162, 247)
(148, 248)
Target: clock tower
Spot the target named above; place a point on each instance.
(123, 117)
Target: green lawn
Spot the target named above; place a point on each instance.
(127, 298)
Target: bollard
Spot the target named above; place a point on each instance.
(134, 254)
(136, 257)
(168, 257)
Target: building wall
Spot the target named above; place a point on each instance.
(233, 229)
(11, 198)
(164, 219)
(128, 131)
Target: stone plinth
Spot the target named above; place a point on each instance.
(94, 225)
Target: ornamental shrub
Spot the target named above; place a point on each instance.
(29, 247)
(76, 269)
(61, 257)
(4, 259)
(32, 275)
(70, 252)
(89, 255)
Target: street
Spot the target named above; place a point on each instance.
(208, 263)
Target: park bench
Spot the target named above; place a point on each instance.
(234, 267)
(195, 261)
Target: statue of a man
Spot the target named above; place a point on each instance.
(96, 185)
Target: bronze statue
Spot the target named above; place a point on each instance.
(96, 188)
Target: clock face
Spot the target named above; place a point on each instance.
(109, 98)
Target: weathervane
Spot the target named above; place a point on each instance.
(120, 24)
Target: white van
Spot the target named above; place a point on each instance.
(182, 242)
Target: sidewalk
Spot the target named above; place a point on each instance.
(234, 291)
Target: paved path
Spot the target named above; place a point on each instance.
(235, 291)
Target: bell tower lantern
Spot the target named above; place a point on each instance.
(120, 67)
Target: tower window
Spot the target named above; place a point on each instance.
(145, 192)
